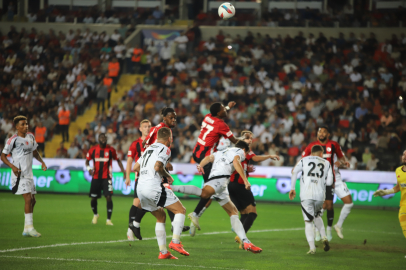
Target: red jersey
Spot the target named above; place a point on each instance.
(235, 177)
(136, 150)
(211, 132)
(153, 134)
(330, 148)
(102, 160)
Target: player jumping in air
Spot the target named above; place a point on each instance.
(134, 153)
(168, 121)
(102, 156)
(23, 147)
(316, 175)
(213, 129)
(330, 148)
(154, 196)
(224, 164)
(400, 186)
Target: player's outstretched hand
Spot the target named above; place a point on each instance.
(44, 167)
(91, 172)
(200, 169)
(347, 164)
(379, 192)
(231, 104)
(127, 182)
(248, 186)
(292, 194)
(16, 170)
(251, 168)
(274, 157)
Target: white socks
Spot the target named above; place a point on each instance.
(161, 237)
(178, 222)
(28, 222)
(344, 213)
(318, 222)
(136, 224)
(238, 228)
(309, 231)
(191, 190)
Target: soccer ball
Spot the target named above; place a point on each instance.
(226, 11)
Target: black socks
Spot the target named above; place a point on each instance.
(109, 209)
(93, 204)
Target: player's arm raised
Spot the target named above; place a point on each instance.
(160, 168)
(39, 158)
(298, 168)
(240, 170)
(264, 157)
(383, 192)
(204, 162)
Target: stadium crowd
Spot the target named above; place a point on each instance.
(284, 87)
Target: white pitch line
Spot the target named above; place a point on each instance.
(104, 261)
(150, 238)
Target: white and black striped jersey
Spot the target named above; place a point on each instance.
(21, 150)
(316, 174)
(223, 162)
(148, 176)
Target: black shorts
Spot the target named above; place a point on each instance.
(240, 196)
(135, 189)
(207, 168)
(329, 193)
(97, 186)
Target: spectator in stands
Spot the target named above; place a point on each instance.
(352, 160)
(113, 19)
(157, 14)
(165, 54)
(101, 19)
(181, 42)
(73, 151)
(88, 19)
(372, 164)
(60, 18)
(102, 94)
(61, 152)
(32, 17)
(386, 119)
(297, 137)
(366, 156)
(40, 137)
(64, 119)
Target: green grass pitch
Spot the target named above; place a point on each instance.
(373, 239)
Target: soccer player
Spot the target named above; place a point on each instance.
(102, 156)
(344, 194)
(23, 147)
(134, 153)
(224, 164)
(330, 148)
(316, 174)
(400, 186)
(154, 196)
(168, 121)
(243, 198)
(213, 128)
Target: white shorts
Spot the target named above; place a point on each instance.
(152, 199)
(311, 209)
(341, 190)
(25, 186)
(220, 187)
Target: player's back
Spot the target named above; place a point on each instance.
(401, 178)
(212, 130)
(315, 172)
(223, 162)
(148, 175)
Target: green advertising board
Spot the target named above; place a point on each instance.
(264, 189)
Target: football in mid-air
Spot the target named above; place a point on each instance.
(226, 11)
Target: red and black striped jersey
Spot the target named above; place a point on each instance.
(102, 160)
(235, 177)
(330, 148)
(136, 150)
(153, 134)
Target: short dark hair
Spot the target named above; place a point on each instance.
(326, 127)
(166, 110)
(164, 133)
(215, 108)
(18, 119)
(317, 148)
(243, 145)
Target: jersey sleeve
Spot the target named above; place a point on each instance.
(298, 168)
(9, 146)
(307, 151)
(89, 154)
(35, 144)
(164, 155)
(132, 151)
(339, 151)
(241, 154)
(150, 136)
(329, 177)
(114, 154)
(225, 131)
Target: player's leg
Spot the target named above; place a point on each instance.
(236, 224)
(251, 214)
(204, 200)
(205, 193)
(108, 192)
(192, 228)
(94, 194)
(318, 222)
(328, 205)
(28, 213)
(344, 194)
(402, 219)
(161, 234)
(308, 216)
(136, 214)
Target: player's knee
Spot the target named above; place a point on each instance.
(108, 198)
(182, 210)
(205, 194)
(349, 205)
(28, 200)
